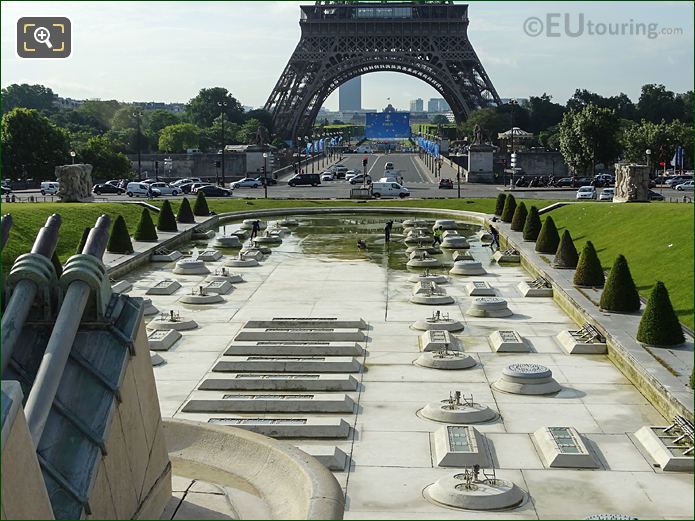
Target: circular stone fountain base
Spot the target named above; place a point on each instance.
(445, 412)
(530, 379)
(467, 267)
(167, 324)
(232, 278)
(448, 360)
(431, 250)
(241, 263)
(489, 307)
(424, 263)
(190, 267)
(430, 324)
(409, 223)
(228, 241)
(498, 494)
(268, 239)
(445, 224)
(455, 242)
(425, 241)
(201, 300)
(432, 300)
(288, 222)
(437, 279)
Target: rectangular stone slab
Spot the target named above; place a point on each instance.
(334, 322)
(656, 443)
(298, 333)
(164, 287)
(280, 382)
(300, 427)
(219, 287)
(331, 457)
(460, 446)
(122, 286)
(213, 401)
(507, 341)
(435, 340)
(564, 450)
(501, 256)
(287, 364)
(480, 288)
(528, 291)
(162, 340)
(574, 346)
(169, 257)
(209, 256)
(295, 348)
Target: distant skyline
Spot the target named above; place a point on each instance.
(168, 51)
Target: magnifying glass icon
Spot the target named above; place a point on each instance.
(43, 35)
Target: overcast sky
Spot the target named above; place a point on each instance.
(167, 51)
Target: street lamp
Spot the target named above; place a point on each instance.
(458, 173)
(265, 173)
(222, 105)
(512, 103)
(137, 115)
(72, 155)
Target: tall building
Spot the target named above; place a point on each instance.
(417, 105)
(437, 105)
(350, 95)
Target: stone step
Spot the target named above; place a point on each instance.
(279, 382)
(214, 401)
(300, 333)
(295, 348)
(334, 322)
(288, 364)
(331, 457)
(296, 427)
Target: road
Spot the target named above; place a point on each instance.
(416, 177)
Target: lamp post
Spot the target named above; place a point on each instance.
(222, 105)
(458, 173)
(512, 103)
(265, 174)
(72, 156)
(137, 115)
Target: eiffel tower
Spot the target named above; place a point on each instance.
(342, 40)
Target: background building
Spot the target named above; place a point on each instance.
(350, 95)
(437, 105)
(417, 105)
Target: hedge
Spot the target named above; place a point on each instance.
(620, 293)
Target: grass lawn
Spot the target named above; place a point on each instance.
(656, 239)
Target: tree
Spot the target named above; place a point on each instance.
(548, 238)
(119, 242)
(166, 221)
(588, 137)
(177, 138)
(32, 146)
(659, 325)
(248, 130)
(27, 96)
(205, 107)
(102, 111)
(124, 119)
(621, 104)
(532, 226)
(509, 209)
(159, 119)
(185, 215)
(656, 104)
(620, 293)
(589, 270)
(550, 138)
(544, 113)
(107, 163)
(262, 115)
(499, 206)
(145, 231)
(440, 119)
(519, 218)
(200, 208)
(566, 255)
(488, 119)
(661, 138)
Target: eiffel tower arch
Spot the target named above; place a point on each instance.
(340, 41)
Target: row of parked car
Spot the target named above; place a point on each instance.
(607, 194)
(154, 188)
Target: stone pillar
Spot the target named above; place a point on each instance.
(75, 183)
(631, 183)
(480, 164)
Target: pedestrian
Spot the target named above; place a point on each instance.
(361, 244)
(387, 231)
(149, 191)
(495, 238)
(438, 236)
(255, 228)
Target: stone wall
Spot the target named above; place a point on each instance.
(190, 165)
(536, 163)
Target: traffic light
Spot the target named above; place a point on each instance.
(364, 162)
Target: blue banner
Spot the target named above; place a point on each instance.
(387, 125)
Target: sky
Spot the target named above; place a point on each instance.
(168, 51)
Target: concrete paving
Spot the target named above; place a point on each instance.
(389, 444)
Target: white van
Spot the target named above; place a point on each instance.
(389, 190)
(135, 189)
(49, 187)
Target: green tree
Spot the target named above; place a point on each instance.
(440, 119)
(499, 205)
(620, 293)
(119, 241)
(548, 238)
(589, 270)
(124, 118)
(145, 231)
(248, 130)
(519, 218)
(262, 115)
(205, 107)
(185, 215)
(166, 221)
(588, 137)
(200, 208)
(177, 138)
(32, 146)
(488, 119)
(509, 209)
(656, 104)
(661, 138)
(532, 226)
(101, 111)
(27, 96)
(544, 113)
(659, 325)
(566, 255)
(107, 163)
(159, 119)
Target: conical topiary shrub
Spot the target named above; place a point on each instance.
(589, 270)
(83, 240)
(185, 214)
(499, 206)
(566, 256)
(145, 231)
(119, 242)
(532, 226)
(519, 218)
(548, 238)
(620, 293)
(201, 205)
(509, 209)
(659, 325)
(166, 221)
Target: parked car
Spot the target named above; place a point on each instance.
(6, 190)
(270, 180)
(149, 181)
(165, 189)
(215, 191)
(195, 186)
(655, 196)
(304, 180)
(327, 176)
(187, 180)
(49, 187)
(586, 192)
(564, 182)
(680, 179)
(685, 187)
(107, 188)
(247, 182)
(137, 188)
(185, 188)
(114, 182)
(389, 190)
(607, 194)
(446, 184)
(361, 178)
(340, 171)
